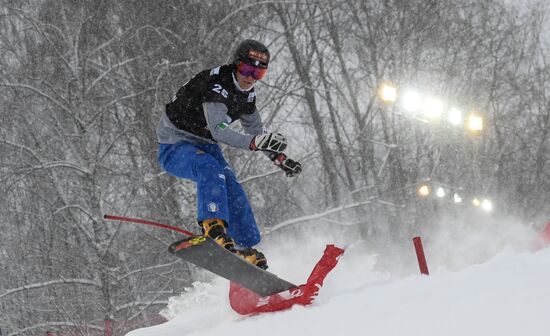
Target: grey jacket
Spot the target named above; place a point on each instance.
(218, 122)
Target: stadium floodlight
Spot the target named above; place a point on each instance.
(455, 116)
(457, 198)
(440, 192)
(475, 123)
(476, 202)
(412, 101)
(423, 190)
(432, 108)
(387, 93)
(487, 205)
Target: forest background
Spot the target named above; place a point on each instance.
(83, 84)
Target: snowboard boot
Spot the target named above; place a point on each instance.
(253, 256)
(216, 229)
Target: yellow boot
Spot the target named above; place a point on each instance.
(215, 228)
(253, 256)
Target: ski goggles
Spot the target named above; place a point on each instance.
(249, 70)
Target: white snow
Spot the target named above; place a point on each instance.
(507, 293)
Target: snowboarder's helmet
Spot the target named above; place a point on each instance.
(252, 52)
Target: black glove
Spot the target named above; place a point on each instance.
(290, 167)
(271, 142)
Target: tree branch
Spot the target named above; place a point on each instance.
(50, 283)
(53, 324)
(320, 215)
(147, 269)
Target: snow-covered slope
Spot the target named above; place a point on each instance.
(508, 294)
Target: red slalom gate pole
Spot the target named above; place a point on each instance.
(420, 256)
(542, 240)
(108, 331)
(146, 222)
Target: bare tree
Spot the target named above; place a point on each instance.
(83, 85)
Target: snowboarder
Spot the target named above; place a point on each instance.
(196, 120)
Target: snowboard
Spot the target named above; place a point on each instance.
(205, 253)
(252, 290)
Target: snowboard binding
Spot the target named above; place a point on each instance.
(253, 256)
(217, 230)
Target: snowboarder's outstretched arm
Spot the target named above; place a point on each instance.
(218, 123)
(273, 144)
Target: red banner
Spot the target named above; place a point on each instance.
(245, 302)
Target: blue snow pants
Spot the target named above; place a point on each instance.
(219, 194)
